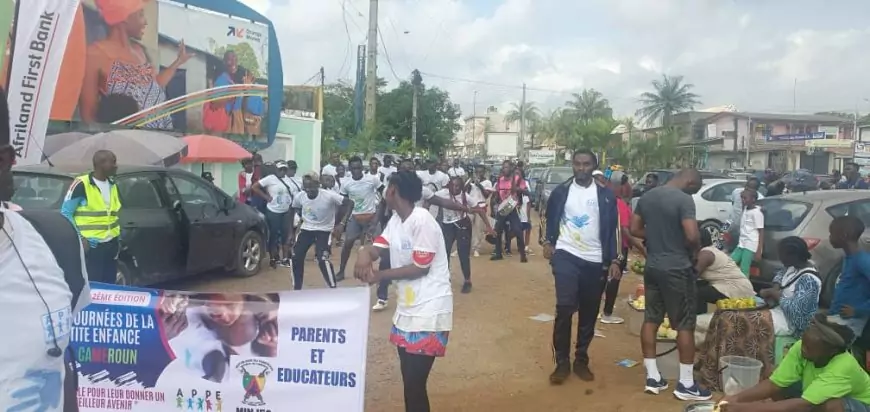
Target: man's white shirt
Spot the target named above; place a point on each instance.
(26, 365)
(456, 171)
(579, 232)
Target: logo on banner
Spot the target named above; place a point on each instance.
(244, 34)
(254, 373)
(198, 400)
(238, 32)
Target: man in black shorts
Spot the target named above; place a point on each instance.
(665, 218)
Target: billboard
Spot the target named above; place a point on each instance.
(140, 64)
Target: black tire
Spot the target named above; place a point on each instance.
(715, 229)
(249, 254)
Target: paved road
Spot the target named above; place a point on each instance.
(497, 359)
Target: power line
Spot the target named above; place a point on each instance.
(346, 32)
(401, 49)
(387, 54)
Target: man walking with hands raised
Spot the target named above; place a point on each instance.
(583, 245)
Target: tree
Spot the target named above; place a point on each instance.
(437, 116)
(671, 96)
(589, 104)
(532, 117)
(245, 55)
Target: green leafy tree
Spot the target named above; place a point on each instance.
(245, 55)
(588, 105)
(670, 96)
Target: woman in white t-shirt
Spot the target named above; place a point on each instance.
(418, 262)
(278, 190)
(456, 225)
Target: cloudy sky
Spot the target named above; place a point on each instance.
(743, 52)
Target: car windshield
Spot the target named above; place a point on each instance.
(559, 175)
(34, 191)
(783, 215)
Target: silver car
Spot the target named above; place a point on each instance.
(808, 215)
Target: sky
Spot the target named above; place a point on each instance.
(778, 56)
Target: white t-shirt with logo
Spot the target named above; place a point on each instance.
(579, 232)
(439, 179)
(386, 172)
(453, 216)
(426, 194)
(750, 222)
(523, 210)
(281, 196)
(424, 304)
(27, 368)
(456, 171)
(318, 214)
(363, 193)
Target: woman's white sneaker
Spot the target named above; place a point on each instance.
(381, 305)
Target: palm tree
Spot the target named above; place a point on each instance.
(671, 96)
(532, 117)
(589, 104)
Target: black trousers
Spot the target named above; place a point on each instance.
(320, 240)
(462, 237)
(612, 288)
(102, 262)
(707, 294)
(384, 285)
(579, 284)
(513, 221)
(415, 376)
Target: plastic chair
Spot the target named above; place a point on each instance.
(781, 344)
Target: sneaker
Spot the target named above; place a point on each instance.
(476, 254)
(466, 287)
(529, 251)
(695, 393)
(496, 257)
(339, 277)
(273, 263)
(453, 254)
(523, 259)
(285, 262)
(563, 369)
(508, 253)
(612, 320)
(655, 388)
(583, 372)
(381, 305)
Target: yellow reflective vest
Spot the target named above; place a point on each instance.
(95, 219)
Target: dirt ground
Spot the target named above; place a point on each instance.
(497, 358)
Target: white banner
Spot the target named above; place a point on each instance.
(42, 28)
(148, 350)
(543, 156)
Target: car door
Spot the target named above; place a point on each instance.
(717, 203)
(148, 228)
(207, 226)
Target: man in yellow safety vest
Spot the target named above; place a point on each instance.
(92, 205)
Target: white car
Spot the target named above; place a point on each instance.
(713, 204)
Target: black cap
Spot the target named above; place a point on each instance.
(291, 164)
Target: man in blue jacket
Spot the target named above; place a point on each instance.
(582, 243)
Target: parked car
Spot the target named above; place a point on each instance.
(802, 180)
(713, 204)
(552, 176)
(533, 176)
(665, 175)
(173, 223)
(809, 215)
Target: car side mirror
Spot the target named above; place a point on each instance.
(176, 205)
(229, 203)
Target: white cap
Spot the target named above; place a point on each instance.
(597, 173)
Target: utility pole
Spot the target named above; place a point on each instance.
(372, 63)
(522, 143)
(474, 123)
(416, 81)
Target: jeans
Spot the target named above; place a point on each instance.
(462, 237)
(279, 228)
(102, 262)
(320, 240)
(579, 284)
(415, 376)
(512, 220)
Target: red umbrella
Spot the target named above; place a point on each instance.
(203, 148)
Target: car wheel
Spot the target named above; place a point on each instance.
(714, 228)
(249, 253)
